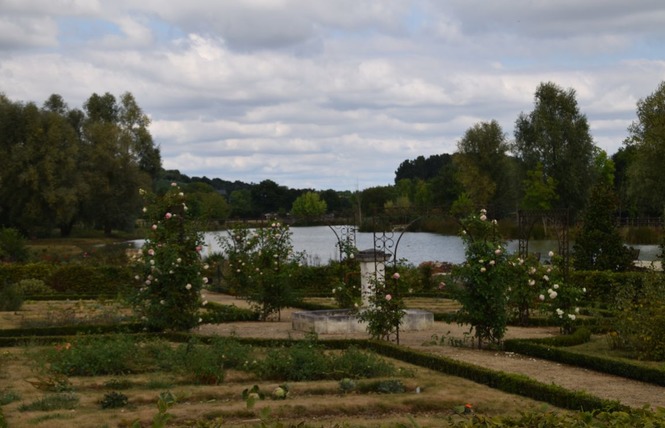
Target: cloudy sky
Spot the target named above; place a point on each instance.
(332, 93)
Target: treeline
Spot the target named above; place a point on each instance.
(552, 162)
(62, 167)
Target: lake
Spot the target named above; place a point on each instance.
(319, 243)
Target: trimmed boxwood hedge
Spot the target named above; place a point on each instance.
(612, 366)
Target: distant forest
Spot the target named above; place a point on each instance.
(68, 167)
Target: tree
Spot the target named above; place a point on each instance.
(241, 203)
(599, 246)
(114, 137)
(556, 135)
(539, 190)
(309, 206)
(207, 203)
(483, 167)
(647, 135)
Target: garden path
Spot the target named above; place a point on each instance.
(628, 392)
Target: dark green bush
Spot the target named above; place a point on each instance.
(12, 246)
(388, 386)
(11, 298)
(72, 278)
(15, 272)
(114, 400)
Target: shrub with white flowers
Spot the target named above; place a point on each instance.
(171, 270)
(481, 284)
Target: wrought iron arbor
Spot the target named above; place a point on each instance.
(557, 220)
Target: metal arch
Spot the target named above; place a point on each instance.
(559, 218)
(347, 234)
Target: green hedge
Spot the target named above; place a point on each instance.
(602, 286)
(612, 366)
(71, 278)
(511, 383)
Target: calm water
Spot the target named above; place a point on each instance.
(319, 243)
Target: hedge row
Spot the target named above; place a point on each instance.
(612, 366)
(511, 383)
(602, 286)
(71, 278)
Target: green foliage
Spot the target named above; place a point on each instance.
(480, 283)
(384, 386)
(309, 206)
(90, 356)
(114, 400)
(646, 135)
(171, 272)
(483, 167)
(556, 135)
(62, 400)
(640, 319)
(539, 190)
(12, 246)
(598, 245)
(11, 297)
(307, 360)
(261, 267)
(31, 287)
(8, 396)
(76, 278)
(385, 308)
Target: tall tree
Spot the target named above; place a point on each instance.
(647, 136)
(112, 168)
(556, 135)
(483, 167)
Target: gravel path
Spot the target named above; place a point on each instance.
(629, 392)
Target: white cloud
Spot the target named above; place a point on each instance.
(331, 94)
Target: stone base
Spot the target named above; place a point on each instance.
(336, 321)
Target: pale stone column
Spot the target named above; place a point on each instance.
(372, 271)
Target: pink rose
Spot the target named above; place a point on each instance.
(396, 275)
(168, 216)
(388, 297)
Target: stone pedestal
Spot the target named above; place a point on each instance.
(372, 271)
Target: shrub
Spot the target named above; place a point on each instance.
(354, 363)
(388, 386)
(64, 400)
(114, 400)
(307, 360)
(90, 356)
(261, 267)
(480, 284)
(201, 363)
(32, 287)
(12, 246)
(171, 267)
(11, 298)
(640, 318)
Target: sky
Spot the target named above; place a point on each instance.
(327, 94)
